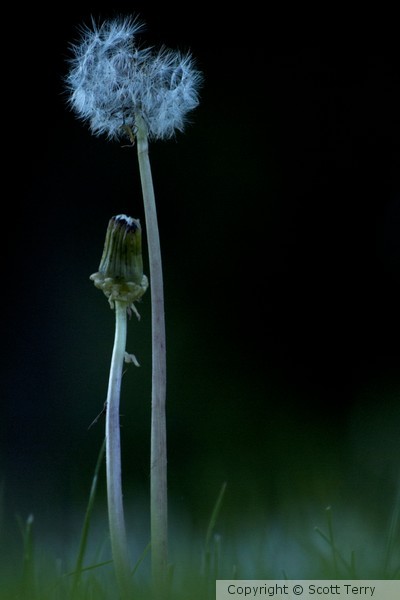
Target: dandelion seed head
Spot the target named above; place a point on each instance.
(112, 78)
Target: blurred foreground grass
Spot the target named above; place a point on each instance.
(299, 543)
(286, 454)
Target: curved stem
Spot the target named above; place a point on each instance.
(158, 460)
(119, 544)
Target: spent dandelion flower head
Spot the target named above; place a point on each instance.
(112, 79)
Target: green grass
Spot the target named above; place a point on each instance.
(331, 544)
(295, 541)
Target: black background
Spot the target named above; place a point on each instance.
(279, 214)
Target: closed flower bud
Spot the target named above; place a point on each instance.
(120, 273)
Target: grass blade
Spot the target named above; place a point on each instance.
(393, 536)
(86, 524)
(210, 534)
(28, 567)
(214, 515)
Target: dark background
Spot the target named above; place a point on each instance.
(279, 215)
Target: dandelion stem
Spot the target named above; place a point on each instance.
(158, 459)
(118, 537)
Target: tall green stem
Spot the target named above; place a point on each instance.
(158, 459)
(119, 543)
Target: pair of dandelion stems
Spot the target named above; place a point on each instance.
(158, 456)
(121, 278)
(115, 253)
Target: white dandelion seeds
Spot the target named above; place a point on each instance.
(111, 79)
